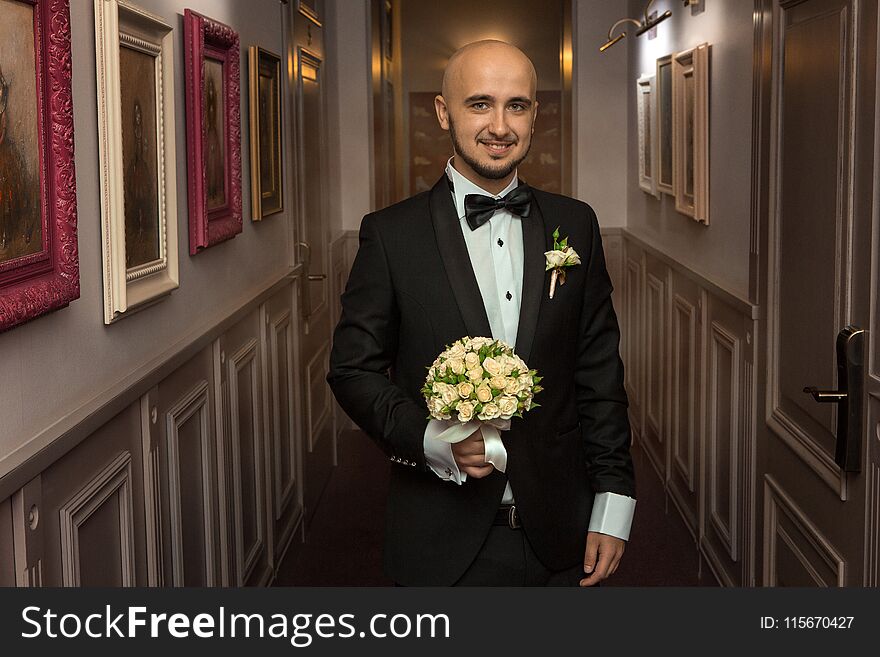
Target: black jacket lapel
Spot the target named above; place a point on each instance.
(533, 284)
(456, 261)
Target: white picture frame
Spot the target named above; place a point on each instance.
(140, 255)
(647, 117)
(690, 90)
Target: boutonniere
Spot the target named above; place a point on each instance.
(558, 259)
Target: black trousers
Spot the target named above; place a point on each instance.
(507, 559)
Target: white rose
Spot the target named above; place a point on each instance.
(512, 386)
(554, 258)
(437, 387)
(475, 374)
(449, 395)
(490, 411)
(492, 366)
(465, 411)
(525, 381)
(436, 407)
(471, 360)
(456, 351)
(465, 390)
(498, 382)
(508, 364)
(527, 403)
(484, 393)
(507, 405)
(457, 365)
(572, 257)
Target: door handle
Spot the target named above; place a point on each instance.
(850, 383)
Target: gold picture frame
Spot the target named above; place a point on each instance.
(267, 194)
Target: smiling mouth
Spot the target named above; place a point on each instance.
(498, 147)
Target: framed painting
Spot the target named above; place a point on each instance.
(213, 130)
(39, 262)
(690, 86)
(311, 9)
(647, 134)
(135, 75)
(663, 92)
(265, 132)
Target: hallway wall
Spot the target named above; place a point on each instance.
(58, 362)
(720, 251)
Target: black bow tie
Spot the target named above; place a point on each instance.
(479, 209)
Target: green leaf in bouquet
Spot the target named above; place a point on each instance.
(478, 408)
(462, 378)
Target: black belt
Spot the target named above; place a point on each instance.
(507, 516)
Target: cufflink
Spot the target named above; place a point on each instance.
(448, 473)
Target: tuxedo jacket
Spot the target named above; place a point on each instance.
(411, 293)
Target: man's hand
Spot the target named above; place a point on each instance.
(601, 557)
(470, 455)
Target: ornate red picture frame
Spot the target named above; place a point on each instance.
(213, 130)
(39, 263)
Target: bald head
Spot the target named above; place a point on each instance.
(488, 56)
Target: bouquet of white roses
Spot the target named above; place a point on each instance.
(481, 382)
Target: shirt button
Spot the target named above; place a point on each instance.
(500, 242)
(509, 295)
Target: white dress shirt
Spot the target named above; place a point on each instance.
(496, 255)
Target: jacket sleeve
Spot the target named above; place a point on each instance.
(601, 398)
(364, 348)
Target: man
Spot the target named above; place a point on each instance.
(429, 272)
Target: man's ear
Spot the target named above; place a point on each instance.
(442, 111)
(535, 117)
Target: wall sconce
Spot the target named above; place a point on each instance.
(644, 26)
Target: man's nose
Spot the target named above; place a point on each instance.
(498, 125)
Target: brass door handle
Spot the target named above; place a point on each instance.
(317, 277)
(850, 382)
(827, 396)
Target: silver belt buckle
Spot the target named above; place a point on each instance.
(512, 518)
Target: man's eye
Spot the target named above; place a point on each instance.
(517, 107)
(480, 106)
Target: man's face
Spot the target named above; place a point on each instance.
(489, 109)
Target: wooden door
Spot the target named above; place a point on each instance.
(817, 527)
(312, 237)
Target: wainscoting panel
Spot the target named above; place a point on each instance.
(655, 361)
(239, 362)
(283, 419)
(90, 509)
(686, 398)
(795, 551)
(729, 425)
(191, 499)
(694, 363)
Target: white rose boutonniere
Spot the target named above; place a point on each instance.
(558, 259)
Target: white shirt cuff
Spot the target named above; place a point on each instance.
(612, 514)
(438, 453)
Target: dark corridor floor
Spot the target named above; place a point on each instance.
(344, 542)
